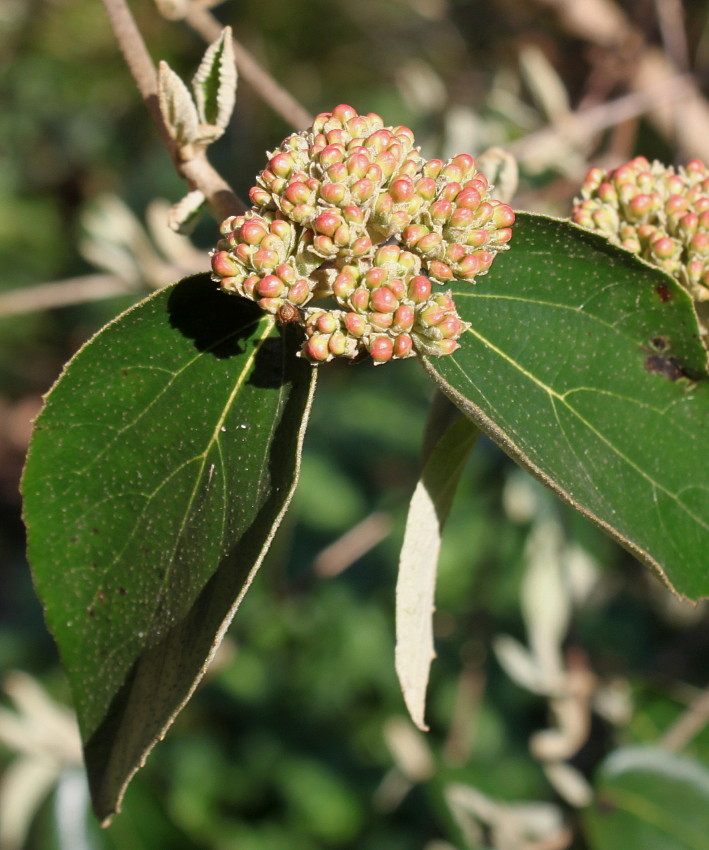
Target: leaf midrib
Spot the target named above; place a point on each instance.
(553, 394)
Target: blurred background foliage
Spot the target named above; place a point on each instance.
(298, 737)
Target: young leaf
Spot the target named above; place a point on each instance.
(158, 472)
(649, 798)
(214, 84)
(586, 365)
(418, 563)
(177, 107)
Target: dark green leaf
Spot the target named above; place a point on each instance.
(158, 472)
(650, 799)
(585, 364)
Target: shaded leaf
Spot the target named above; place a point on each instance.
(159, 469)
(214, 84)
(650, 799)
(416, 582)
(585, 364)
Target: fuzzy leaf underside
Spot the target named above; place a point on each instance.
(586, 365)
(158, 472)
(418, 562)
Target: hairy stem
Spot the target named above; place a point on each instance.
(198, 172)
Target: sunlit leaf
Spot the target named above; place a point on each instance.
(585, 364)
(158, 472)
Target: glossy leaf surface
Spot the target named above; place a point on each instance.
(585, 365)
(649, 798)
(159, 469)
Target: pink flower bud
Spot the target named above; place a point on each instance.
(343, 112)
(259, 197)
(664, 247)
(403, 345)
(404, 318)
(353, 214)
(302, 213)
(500, 237)
(440, 271)
(398, 287)
(431, 315)
(360, 300)
(250, 285)
(281, 229)
(387, 162)
(341, 236)
(316, 349)
(297, 193)
(375, 277)
(337, 343)
(429, 242)
(326, 323)
(380, 321)
(675, 203)
(700, 242)
(281, 164)
(433, 168)
(688, 224)
(269, 286)
(264, 260)
(419, 289)
(356, 324)
(402, 189)
(324, 246)
(383, 300)
(426, 188)
(361, 246)
(224, 265)
(440, 210)
(413, 234)
(358, 165)
(461, 218)
(381, 349)
(451, 327)
(327, 223)
(333, 193)
(387, 254)
(363, 189)
(469, 198)
(503, 216)
(450, 191)
(299, 292)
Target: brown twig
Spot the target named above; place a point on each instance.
(355, 543)
(63, 293)
(282, 102)
(688, 724)
(578, 126)
(198, 172)
(604, 23)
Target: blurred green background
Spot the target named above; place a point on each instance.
(298, 737)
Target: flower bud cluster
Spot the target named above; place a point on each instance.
(255, 258)
(658, 212)
(350, 209)
(387, 310)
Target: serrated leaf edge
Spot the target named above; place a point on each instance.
(215, 109)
